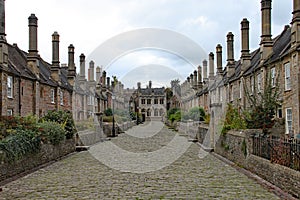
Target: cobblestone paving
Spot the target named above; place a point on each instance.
(81, 176)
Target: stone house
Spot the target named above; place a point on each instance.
(30, 85)
(150, 102)
(276, 58)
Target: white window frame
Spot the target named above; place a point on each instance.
(61, 97)
(287, 76)
(52, 95)
(273, 76)
(259, 82)
(10, 86)
(289, 120)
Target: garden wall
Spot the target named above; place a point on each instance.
(47, 153)
(237, 146)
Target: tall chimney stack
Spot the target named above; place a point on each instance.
(204, 70)
(108, 82)
(91, 71)
(266, 43)
(32, 57)
(33, 43)
(71, 65)
(245, 57)
(195, 79)
(150, 84)
(98, 74)
(295, 39)
(55, 68)
(104, 79)
(2, 21)
(82, 67)
(3, 44)
(230, 55)
(211, 66)
(219, 59)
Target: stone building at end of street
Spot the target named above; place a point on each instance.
(150, 103)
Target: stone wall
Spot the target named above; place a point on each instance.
(47, 153)
(107, 127)
(237, 146)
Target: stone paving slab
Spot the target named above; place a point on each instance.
(82, 176)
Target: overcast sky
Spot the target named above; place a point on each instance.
(89, 24)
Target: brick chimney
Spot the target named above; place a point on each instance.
(108, 82)
(266, 43)
(192, 79)
(98, 74)
(230, 55)
(55, 68)
(150, 84)
(219, 59)
(2, 20)
(104, 79)
(195, 85)
(295, 39)
(32, 58)
(211, 66)
(204, 70)
(82, 67)
(245, 57)
(3, 44)
(91, 71)
(71, 65)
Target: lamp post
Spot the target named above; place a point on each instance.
(113, 112)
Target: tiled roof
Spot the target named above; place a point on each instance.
(18, 65)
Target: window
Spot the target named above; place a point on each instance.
(287, 70)
(259, 82)
(61, 97)
(279, 111)
(273, 74)
(90, 100)
(148, 101)
(41, 92)
(156, 112)
(220, 95)
(9, 112)
(289, 120)
(155, 101)
(161, 101)
(52, 96)
(143, 101)
(10, 87)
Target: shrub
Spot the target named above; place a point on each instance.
(196, 114)
(107, 119)
(17, 145)
(172, 111)
(175, 117)
(233, 120)
(64, 118)
(52, 132)
(108, 112)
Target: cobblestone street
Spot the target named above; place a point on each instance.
(194, 175)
